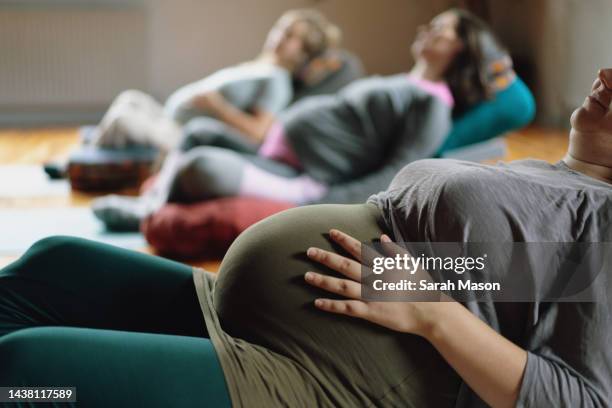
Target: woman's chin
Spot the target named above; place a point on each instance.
(587, 118)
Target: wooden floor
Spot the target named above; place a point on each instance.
(37, 146)
(543, 144)
(42, 145)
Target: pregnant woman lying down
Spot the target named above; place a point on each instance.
(277, 328)
(334, 148)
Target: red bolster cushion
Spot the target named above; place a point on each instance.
(205, 229)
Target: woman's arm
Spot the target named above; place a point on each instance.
(254, 126)
(489, 363)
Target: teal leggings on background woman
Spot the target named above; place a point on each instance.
(124, 328)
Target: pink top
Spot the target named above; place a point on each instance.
(276, 147)
(437, 89)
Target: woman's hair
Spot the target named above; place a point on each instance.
(467, 74)
(322, 34)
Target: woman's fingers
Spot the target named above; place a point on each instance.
(343, 287)
(350, 244)
(365, 254)
(354, 308)
(391, 248)
(338, 263)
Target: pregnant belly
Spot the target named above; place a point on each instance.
(260, 296)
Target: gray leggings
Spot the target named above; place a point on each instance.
(215, 160)
(207, 172)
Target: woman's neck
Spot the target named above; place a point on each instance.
(599, 172)
(423, 70)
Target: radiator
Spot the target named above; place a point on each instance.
(69, 58)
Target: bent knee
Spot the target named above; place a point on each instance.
(20, 353)
(57, 243)
(52, 251)
(210, 172)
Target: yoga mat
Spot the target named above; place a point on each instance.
(21, 228)
(27, 181)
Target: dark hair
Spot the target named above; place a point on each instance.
(467, 74)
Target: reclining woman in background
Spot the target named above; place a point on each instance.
(132, 324)
(240, 101)
(335, 148)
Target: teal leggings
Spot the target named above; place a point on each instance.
(122, 327)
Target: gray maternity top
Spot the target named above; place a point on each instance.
(250, 86)
(570, 352)
(277, 350)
